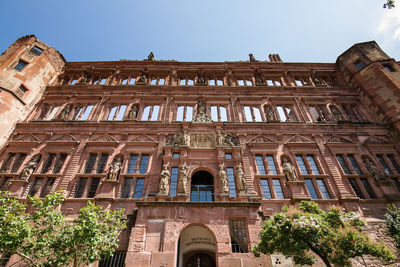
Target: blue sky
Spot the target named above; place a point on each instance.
(202, 30)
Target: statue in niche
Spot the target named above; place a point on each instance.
(164, 177)
(223, 178)
(336, 113)
(150, 57)
(269, 114)
(241, 179)
(230, 140)
(133, 112)
(142, 78)
(288, 170)
(65, 112)
(220, 138)
(252, 58)
(185, 138)
(85, 78)
(114, 169)
(374, 170)
(176, 140)
(183, 177)
(30, 167)
(200, 80)
(201, 116)
(258, 79)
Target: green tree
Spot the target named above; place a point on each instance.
(333, 235)
(43, 237)
(393, 224)
(389, 4)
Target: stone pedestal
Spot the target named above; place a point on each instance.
(224, 196)
(108, 189)
(243, 197)
(387, 187)
(181, 196)
(17, 187)
(298, 190)
(162, 196)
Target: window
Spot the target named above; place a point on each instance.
(265, 188)
(116, 260)
(238, 235)
(47, 188)
(343, 164)
(271, 165)
(89, 191)
(150, 113)
(319, 113)
(6, 184)
(36, 50)
(116, 113)
(126, 188)
(139, 188)
(48, 163)
(202, 187)
(286, 113)
(175, 155)
(46, 115)
(394, 163)
(184, 113)
(311, 188)
(302, 165)
(21, 90)
(278, 188)
(349, 158)
(356, 188)
(13, 162)
(307, 164)
(252, 114)
(368, 188)
(218, 113)
(388, 67)
(82, 113)
(384, 164)
(35, 186)
(354, 164)
(228, 155)
(260, 164)
(174, 182)
(323, 189)
(143, 164)
(102, 163)
(231, 182)
(138, 162)
(100, 159)
(360, 65)
(20, 65)
(59, 163)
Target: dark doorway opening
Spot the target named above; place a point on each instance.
(202, 187)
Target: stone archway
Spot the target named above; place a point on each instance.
(196, 248)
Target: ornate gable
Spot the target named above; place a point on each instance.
(103, 140)
(262, 139)
(143, 139)
(337, 139)
(376, 140)
(299, 139)
(26, 138)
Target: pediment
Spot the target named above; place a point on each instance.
(104, 138)
(337, 139)
(262, 139)
(143, 139)
(299, 139)
(31, 138)
(376, 140)
(65, 138)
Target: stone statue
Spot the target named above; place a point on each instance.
(269, 114)
(183, 177)
(220, 138)
(30, 167)
(201, 116)
(150, 57)
(241, 179)
(65, 112)
(142, 78)
(230, 140)
(223, 178)
(200, 79)
(251, 58)
(374, 170)
(336, 113)
(258, 79)
(288, 170)
(164, 177)
(185, 138)
(85, 78)
(114, 169)
(133, 112)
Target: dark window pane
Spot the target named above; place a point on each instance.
(278, 188)
(139, 188)
(343, 164)
(228, 155)
(132, 163)
(47, 188)
(388, 67)
(93, 187)
(368, 188)
(143, 164)
(20, 65)
(238, 235)
(231, 182)
(90, 163)
(394, 163)
(302, 166)
(116, 260)
(126, 188)
(81, 187)
(313, 164)
(360, 65)
(396, 183)
(323, 189)
(7, 162)
(36, 50)
(384, 164)
(271, 165)
(356, 189)
(174, 182)
(5, 184)
(35, 187)
(18, 162)
(59, 163)
(265, 188)
(48, 163)
(354, 163)
(311, 189)
(102, 163)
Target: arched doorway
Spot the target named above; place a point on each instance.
(196, 248)
(202, 187)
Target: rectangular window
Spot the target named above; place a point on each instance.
(313, 164)
(126, 188)
(218, 113)
(354, 164)
(52, 114)
(311, 188)
(343, 164)
(132, 163)
(102, 163)
(82, 113)
(47, 188)
(36, 50)
(384, 164)
(175, 155)
(231, 182)
(20, 65)
(228, 155)
(144, 164)
(271, 165)
(286, 113)
(18, 162)
(139, 188)
(265, 188)
(93, 187)
(388, 68)
(7, 163)
(150, 113)
(80, 189)
(48, 163)
(59, 163)
(35, 187)
(260, 164)
(368, 188)
(238, 235)
(21, 90)
(6, 183)
(117, 113)
(360, 65)
(174, 182)
(395, 181)
(356, 189)
(90, 163)
(184, 113)
(252, 114)
(278, 188)
(394, 163)
(323, 189)
(302, 165)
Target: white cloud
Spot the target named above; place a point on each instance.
(388, 28)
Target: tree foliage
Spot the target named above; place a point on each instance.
(333, 235)
(389, 4)
(44, 237)
(393, 223)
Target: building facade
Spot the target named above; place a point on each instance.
(200, 153)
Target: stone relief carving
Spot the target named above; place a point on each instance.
(288, 170)
(258, 79)
(269, 113)
(30, 167)
(241, 179)
(150, 57)
(142, 79)
(185, 138)
(375, 140)
(114, 169)
(336, 113)
(182, 178)
(200, 80)
(299, 139)
(220, 138)
(337, 139)
(133, 112)
(65, 112)
(230, 140)
(164, 178)
(201, 116)
(176, 140)
(202, 140)
(104, 138)
(252, 58)
(85, 79)
(374, 170)
(223, 179)
(262, 139)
